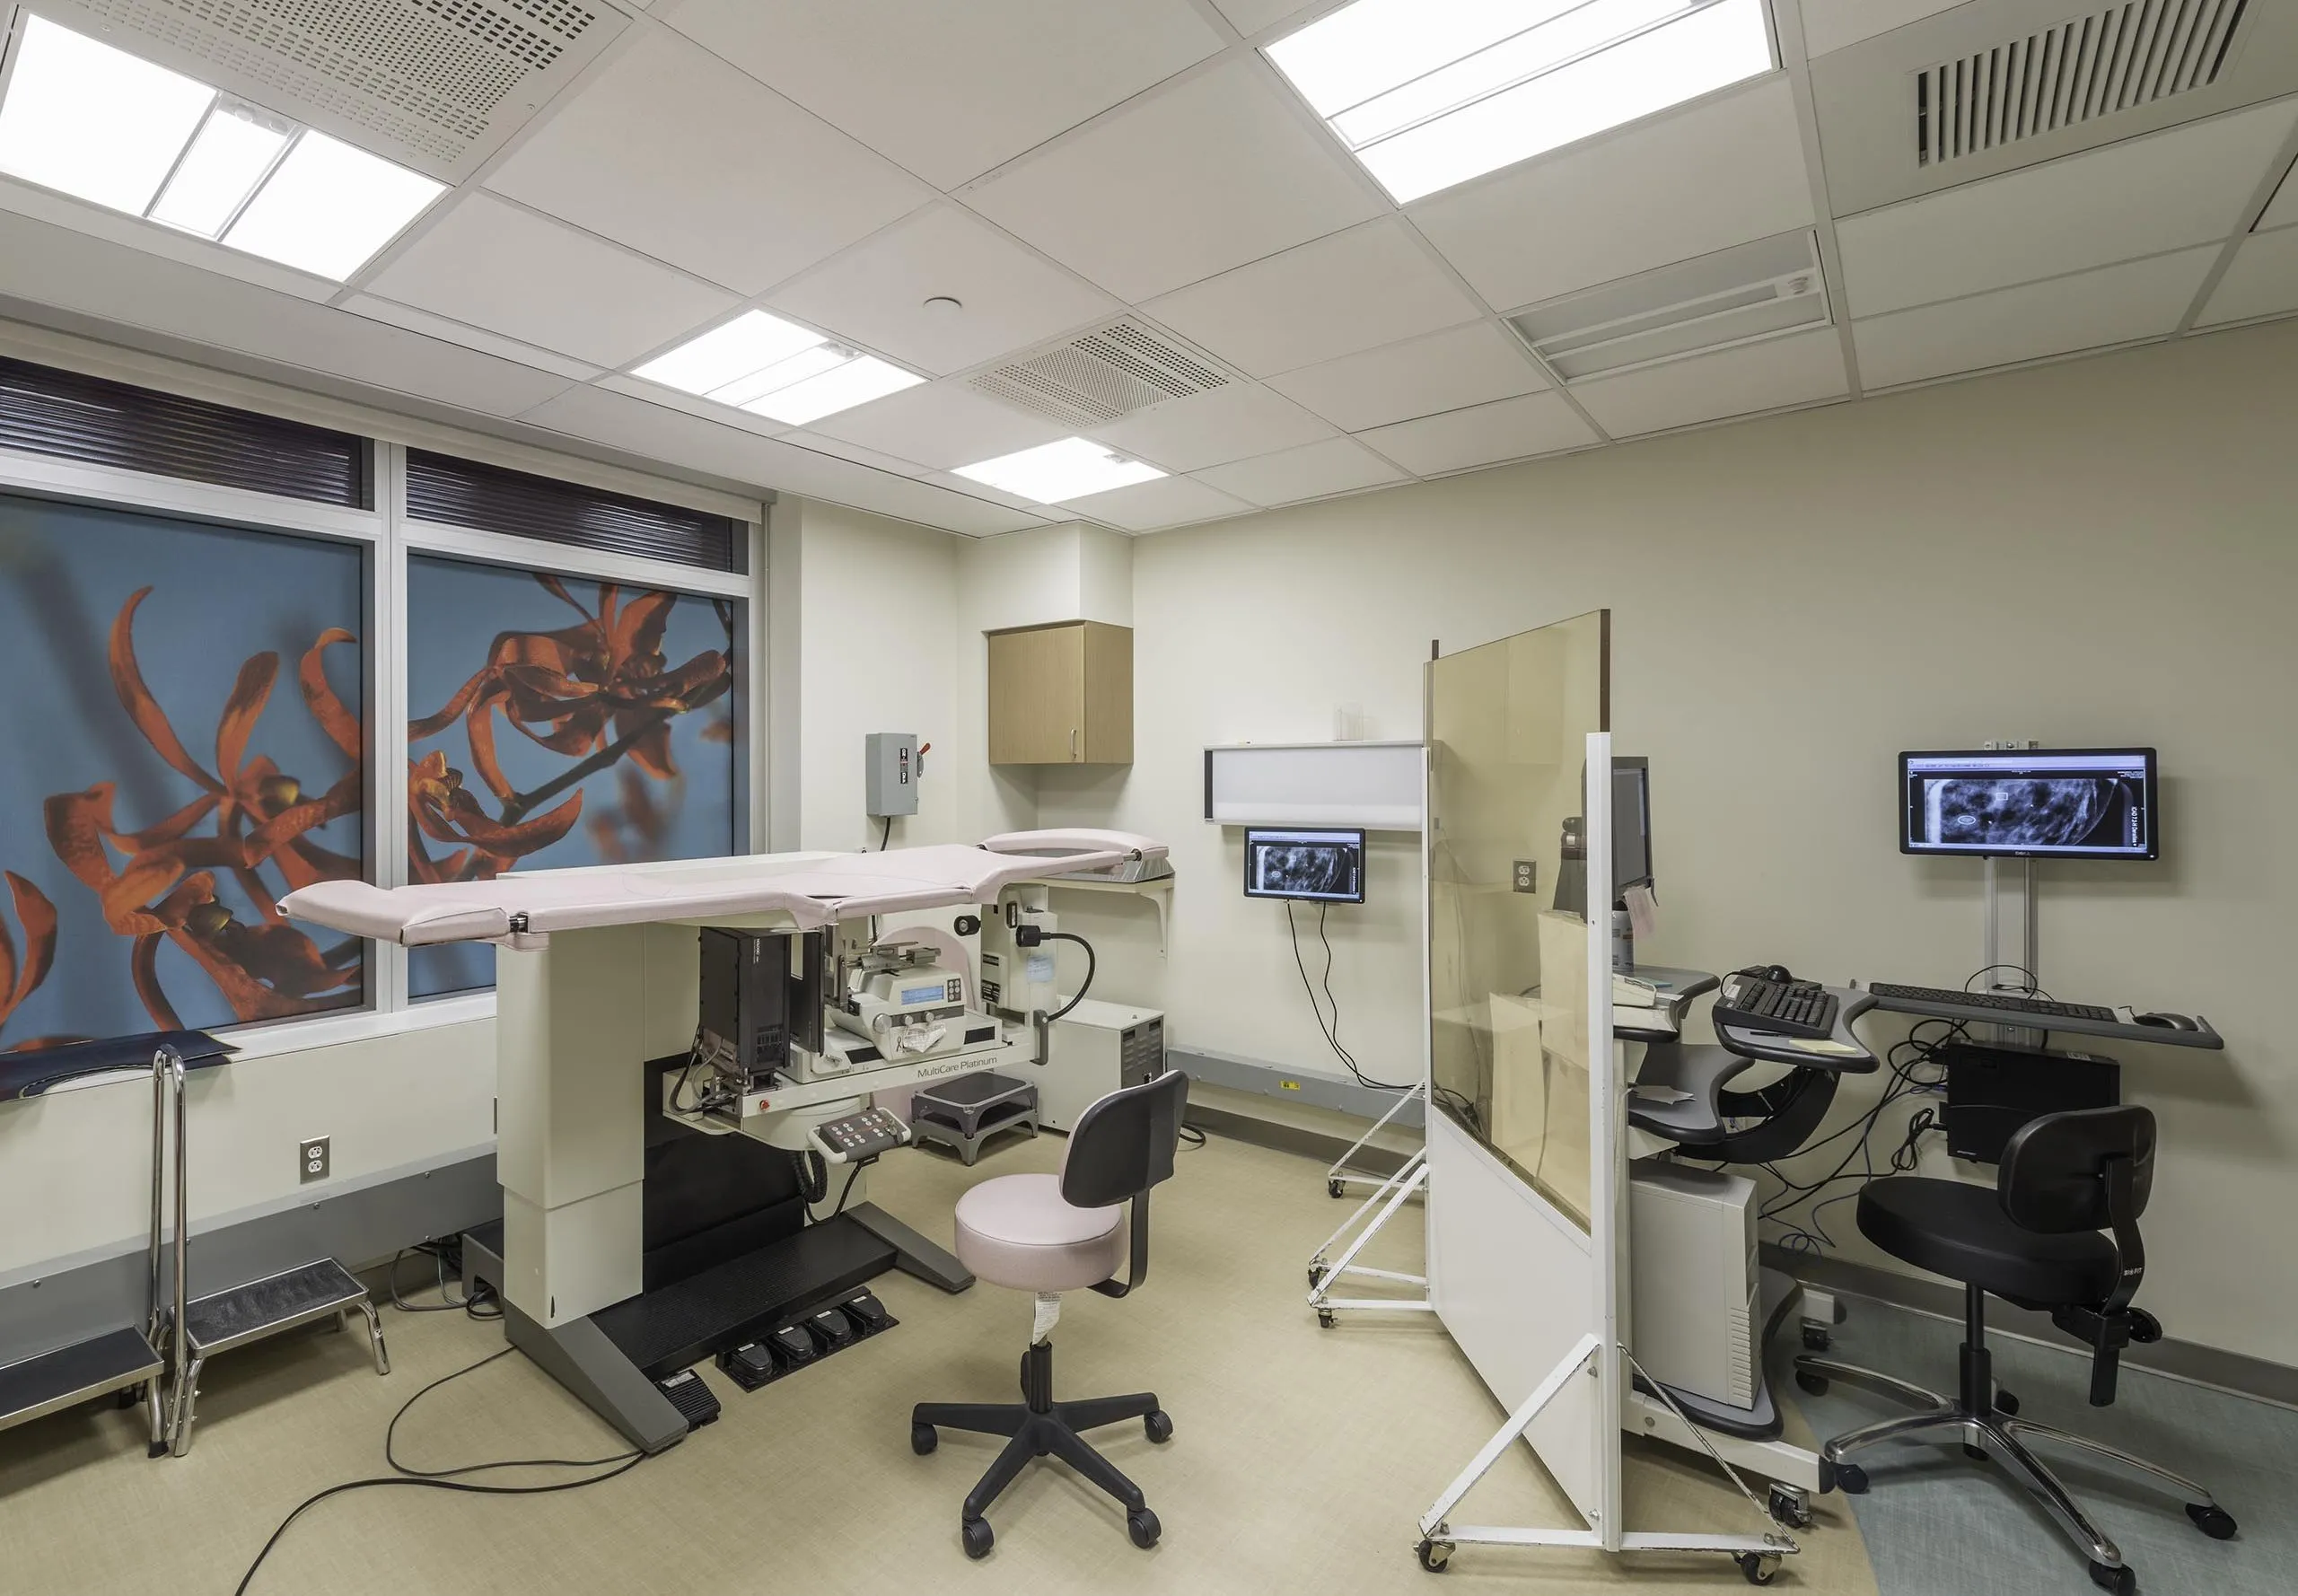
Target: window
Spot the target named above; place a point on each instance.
(184, 749)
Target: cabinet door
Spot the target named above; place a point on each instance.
(1108, 694)
(1037, 696)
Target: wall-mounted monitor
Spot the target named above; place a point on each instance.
(1312, 866)
(2030, 803)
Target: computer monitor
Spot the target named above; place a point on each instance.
(1631, 823)
(2030, 803)
(1310, 867)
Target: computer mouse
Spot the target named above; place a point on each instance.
(2166, 1021)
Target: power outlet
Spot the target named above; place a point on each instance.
(311, 1155)
(1528, 875)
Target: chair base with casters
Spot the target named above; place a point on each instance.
(1040, 1427)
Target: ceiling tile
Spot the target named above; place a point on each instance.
(860, 456)
(490, 264)
(1800, 369)
(655, 393)
(676, 153)
(2140, 196)
(1338, 465)
(73, 271)
(950, 91)
(1192, 181)
(1211, 429)
(1169, 501)
(1445, 370)
(875, 292)
(941, 425)
(1249, 17)
(2282, 210)
(1720, 173)
(2263, 280)
(1483, 435)
(1831, 24)
(471, 338)
(2114, 304)
(1355, 290)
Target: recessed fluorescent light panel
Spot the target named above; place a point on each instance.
(775, 369)
(106, 126)
(1054, 473)
(1432, 92)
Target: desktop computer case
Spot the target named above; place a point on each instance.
(1696, 1308)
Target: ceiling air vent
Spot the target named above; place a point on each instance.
(439, 85)
(1111, 371)
(2112, 60)
(1740, 295)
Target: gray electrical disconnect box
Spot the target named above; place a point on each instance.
(891, 782)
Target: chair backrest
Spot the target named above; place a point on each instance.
(2063, 1172)
(1125, 1143)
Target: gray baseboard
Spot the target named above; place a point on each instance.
(359, 1223)
(1291, 1138)
(2181, 1360)
(1294, 1086)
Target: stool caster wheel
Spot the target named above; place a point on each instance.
(2006, 1403)
(978, 1537)
(2212, 1519)
(1158, 1425)
(1757, 1567)
(1325, 1319)
(1143, 1526)
(1811, 1384)
(1817, 1338)
(1790, 1505)
(1435, 1555)
(1334, 1188)
(924, 1439)
(1851, 1480)
(2122, 1580)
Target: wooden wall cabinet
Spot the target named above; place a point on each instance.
(1061, 695)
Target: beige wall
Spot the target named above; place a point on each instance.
(2097, 552)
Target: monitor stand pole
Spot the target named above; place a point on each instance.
(1991, 949)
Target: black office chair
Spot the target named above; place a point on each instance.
(2035, 1241)
(1052, 1233)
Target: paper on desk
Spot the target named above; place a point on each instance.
(1643, 911)
(1661, 1094)
(1830, 1048)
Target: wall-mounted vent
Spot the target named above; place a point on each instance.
(2112, 60)
(1753, 291)
(1111, 371)
(438, 84)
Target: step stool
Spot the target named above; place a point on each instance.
(119, 1361)
(966, 1112)
(259, 1310)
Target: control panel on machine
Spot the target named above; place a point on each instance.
(857, 1136)
(1785, 1007)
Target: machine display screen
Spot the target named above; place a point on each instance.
(935, 993)
(1313, 867)
(2030, 803)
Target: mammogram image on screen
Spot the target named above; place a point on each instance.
(2027, 813)
(1307, 870)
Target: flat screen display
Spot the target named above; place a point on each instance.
(1313, 867)
(2030, 803)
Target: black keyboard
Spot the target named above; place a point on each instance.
(2008, 1002)
(1787, 1008)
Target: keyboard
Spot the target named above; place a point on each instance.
(2008, 1003)
(1786, 1008)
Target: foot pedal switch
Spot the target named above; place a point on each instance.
(749, 1365)
(696, 1402)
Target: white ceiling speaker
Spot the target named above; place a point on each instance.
(1740, 295)
(438, 85)
(1111, 371)
(2112, 60)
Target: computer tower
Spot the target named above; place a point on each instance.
(762, 992)
(1697, 1312)
(1093, 1050)
(1992, 1091)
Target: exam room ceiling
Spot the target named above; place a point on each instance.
(1058, 164)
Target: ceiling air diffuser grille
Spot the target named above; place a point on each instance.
(2112, 60)
(1764, 289)
(1111, 371)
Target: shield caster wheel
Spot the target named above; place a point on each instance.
(2212, 1519)
(2006, 1403)
(1436, 1555)
(1816, 1338)
(1851, 1480)
(1334, 1188)
(1790, 1505)
(924, 1439)
(1758, 1567)
(1325, 1319)
(1158, 1425)
(1143, 1526)
(978, 1539)
(1316, 1276)
(1811, 1384)
(2123, 1581)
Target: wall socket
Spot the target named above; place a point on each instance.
(311, 1154)
(1527, 875)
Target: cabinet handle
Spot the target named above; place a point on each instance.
(1072, 745)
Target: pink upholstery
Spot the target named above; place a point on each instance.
(1014, 1231)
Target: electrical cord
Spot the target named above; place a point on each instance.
(846, 1190)
(1090, 965)
(441, 1252)
(885, 833)
(1331, 1032)
(447, 1480)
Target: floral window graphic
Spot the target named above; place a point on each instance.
(561, 722)
(184, 751)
